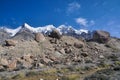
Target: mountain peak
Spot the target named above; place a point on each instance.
(25, 25)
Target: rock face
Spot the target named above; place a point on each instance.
(101, 36)
(10, 42)
(3, 36)
(55, 34)
(24, 35)
(39, 37)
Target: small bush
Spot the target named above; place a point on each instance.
(32, 73)
(103, 64)
(117, 63)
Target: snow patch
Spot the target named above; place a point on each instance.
(12, 31)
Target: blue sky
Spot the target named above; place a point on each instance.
(86, 14)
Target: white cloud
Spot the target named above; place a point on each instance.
(72, 7)
(81, 21)
(84, 22)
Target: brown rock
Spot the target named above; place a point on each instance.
(39, 37)
(79, 44)
(10, 42)
(3, 62)
(12, 65)
(101, 36)
(55, 34)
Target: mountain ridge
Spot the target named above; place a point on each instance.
(63, 29)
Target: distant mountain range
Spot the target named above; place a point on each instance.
(64, 30)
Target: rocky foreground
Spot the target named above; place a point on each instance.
(34, 56)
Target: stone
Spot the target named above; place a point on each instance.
(10, 42)
(39, 37)
(85, 54)
(12, 65)
(101, 36)
(101, 56)
(2, 68)
(79, 44)
(52, 58)
(55, 34)
(82, 72)
(62, 51)
(45, 61)
(57, 54)
(3, 62)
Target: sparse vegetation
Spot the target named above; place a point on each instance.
(117, 63)
(114, 49)
(32, 73)
(64, 58)
(19, 76)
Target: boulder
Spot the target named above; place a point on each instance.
(84, 54)
(55, 34)
(3, 62)
(12, 65)
(2, 68)
(79, 44)
(39, 37)
(101, 57)
(10, 42)
(101, 36)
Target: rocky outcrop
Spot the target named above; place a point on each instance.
(101, 36)
(24, 35)
(3, 36)
(55, 34)
(39, 37)
(10, 42)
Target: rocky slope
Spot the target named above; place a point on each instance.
(67, 54)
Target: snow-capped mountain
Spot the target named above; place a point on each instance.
(63, 29)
